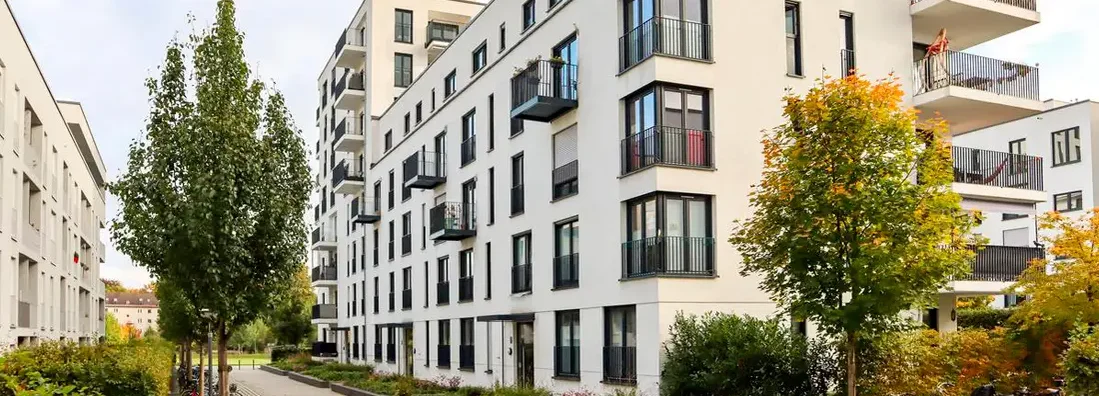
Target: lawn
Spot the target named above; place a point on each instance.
(239, 359)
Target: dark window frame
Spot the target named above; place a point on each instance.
(402, 70)
(529, 15)
(569, 319)
(1068, 158)
(503, 37)
(794, 39)
(518, 181)
(402, 31)
(450, 84)
(480, 57)
(1076, 197)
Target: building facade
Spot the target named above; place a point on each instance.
(52, 183)
(463, 147)
(138, 310)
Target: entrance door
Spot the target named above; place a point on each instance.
(409, 351)
(524, 357)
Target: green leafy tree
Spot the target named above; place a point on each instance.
(1081, 363)
(290, 322)
(252, 337)
(112, 330)
(113, 286)
(843, 234)
(214, 195)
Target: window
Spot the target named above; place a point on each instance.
(480, 57)
(847, 52)
(450, 85)
(406, 238)
(442, 297)
(488, 270)
(469, 137)
(566, 177)
(793, 38)
(528, 14)
(1012, 216)
(406, 292)
(407, 123)
(466, 348)
(375, 247)
(503, 36)
(566, 261)
(668, 234)
(517, 195)
(392, 233)
(517, 126)
(1019, 161)
(392, 290)
(620, 345)
(520, 263)
(391, 345)
(402, 70)
(403, 30)
(1068, 202)
(419, 112)
(553, 3)
(566, 359)
(491, 196)
(390, 196)
(491, 122)
(1066, 146)
(465, 275)
(377, 343)
(433, 100)
(667, 113)
(388, 140)
(444, 343)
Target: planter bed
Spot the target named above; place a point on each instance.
(305, 379)
(272, 370)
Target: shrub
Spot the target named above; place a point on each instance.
(1081, 364)
(138, 367)
(735, 355)
(281, 352)
(983, 318)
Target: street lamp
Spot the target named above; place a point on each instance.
(209, 316)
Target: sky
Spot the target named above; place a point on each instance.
(99, 52)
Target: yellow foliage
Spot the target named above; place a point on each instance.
(1063, 292)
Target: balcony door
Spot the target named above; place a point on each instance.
(469, 202)
(687, 225)
(641, 118)
(524, 358)
(682, 30)
(637, 37)
(565, 76)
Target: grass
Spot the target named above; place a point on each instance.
(238, 359)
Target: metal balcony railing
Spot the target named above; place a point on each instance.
(392, 301)
(324, 311)
(565, 179)
(521, 278)
(999, 169)
(345, 172)
(346, 128)
(406, 299)
(390, 353)
(665, 36)
(1031, 5)
(1001, 263)
(425, 165)
(465, 289)
(345, 40)
(668, 255)
(544, 78)
(349, 80)
(847, 62)
(440, 33)
(662, 145)
(465, 356)
(406, 244)
(442, 293)
(444, 355)
(324, 349)
(324, 273)
(452, 216)
(518, 200)
(620, 364)
(469, 150)
(960, 69)
(566, 271)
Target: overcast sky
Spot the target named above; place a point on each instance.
(99, 52)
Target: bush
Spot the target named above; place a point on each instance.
(983, 318)
(1081, 364)
(138, 367)
(281, 352)
(720, 354)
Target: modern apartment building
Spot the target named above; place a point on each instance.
(139, 310)
(460, 156)
(52, 182)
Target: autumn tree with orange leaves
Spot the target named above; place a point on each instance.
(842, 233)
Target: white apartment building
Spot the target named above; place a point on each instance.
(139, 310)
(463, 146)
(52, 182)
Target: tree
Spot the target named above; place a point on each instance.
(112, 329)
(1081, 363)
(113, 286)
(252, 337)
(843, 232)
(214, 195)
(1065, 292)
(290, 322)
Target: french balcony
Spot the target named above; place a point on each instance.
(465, 357)
(987, 175)
(406, 299)
(620, 365)
(377, 352)
(324, 349)
(521, 278)
(566, 180)
(323, 239)
(325, 275)
(406, 244)
(349, 92)
(348, 136)
(544, 90)
(392, 301)
(442, 293)
(453, 221)
(972, 91)
(671, 37)
(465, 289)
(468, 150)
(350, 50)
(444, 356)
(667, 146)
(324, 313)
(439, 36)
(347, 179)
(566, 271)
(365, 210)
(971, 22)
(671, 256)
(425, 170)
(391, 353)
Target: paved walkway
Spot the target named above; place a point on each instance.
(261, 383)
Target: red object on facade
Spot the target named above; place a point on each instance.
(76, 258)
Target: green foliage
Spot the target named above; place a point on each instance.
(112, 329)
(252, 337)
(290, 321)
(365, 378)
(283, 352)
(1081, 363)
(984, 317)
(735, 355)
(139, 367)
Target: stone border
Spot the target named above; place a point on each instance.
(305, 379)
(272, 370)
(349, 391)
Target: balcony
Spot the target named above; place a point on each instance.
(971, 22)
(566, 180)
(349, 92)
(667, 146)
(1001, 263)
(347, 178)
(350, 51)
(406, 299)
(973, 91)
(465, 289)
(675, 256)
(349, 136)
(465, 357)
(323, 239)
(543, 91)
(444, 356)
(324, 313)
(439, 36)
(620, 365)
(987, 175)
(365, 210)
(442, 293)
(325, 275)
(670, 37)
(520, 278)
(452, 221)
(324, 349)
(566, 271)
(425, 170)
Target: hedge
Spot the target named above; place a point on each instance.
(138, 367)
(983, 318)
(281, 352)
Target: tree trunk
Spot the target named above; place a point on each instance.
(852, 365)
(223, 360)
(185, 357)
(201, 375)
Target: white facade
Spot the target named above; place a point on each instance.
(576, 76)
(51, 206)
(139, 310)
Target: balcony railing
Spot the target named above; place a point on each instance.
(960, 69)
(847, 62)
(440, 33)
(465, 356)
(365, 210)
(566, 271)
(324, 311)
(665, 36)
(406, 299)
(999, 169)
(469, 150)
(444, 355)
(1031, 5)
(424, 170)
(349, 80)
(465, 289)
(442, 293)
(620, 365)
(453, 221)
(347, 126)
(1001, 263)
(566, 361)
(518, 200)
(544, 90)
(324, 349)
(392, 301)
(661, 145)
(390, 353)
(324, 273)
(376, 305)
(565, 180)
(520, 278)
(377, 352)
(320, 236)
(668, 255)
(344, 172)
(347, 39)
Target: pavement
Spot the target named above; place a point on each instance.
(256, 382)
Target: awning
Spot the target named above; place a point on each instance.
(515, 317)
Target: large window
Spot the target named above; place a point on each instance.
(1068, 202)
(567, 354)
(480, 57)
(388, 140)
(406, 237)
(518, 197)
(847, 52)
(529, 14)
(793, 38)
(1019, 160)
(466, 346)
(406, 291)
(450, 84)
(672, 27)
(390, 192)
(566, 261)
(620, 345)
(392, 239)
(1066, 146)
(667, 124)
(402, 70)
(403, 26)
(465, 275)
(669, 234)
(444, 343)
(520, 261)
(442, 295)
(566, 167)
(469, 137)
